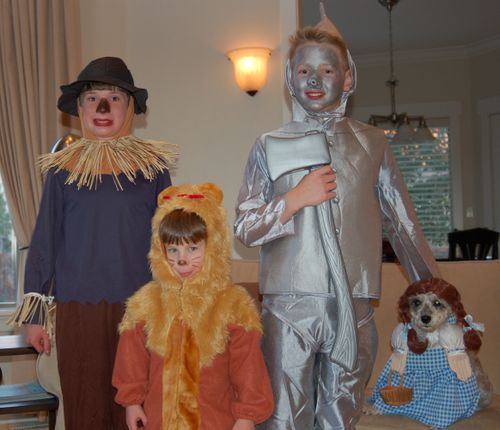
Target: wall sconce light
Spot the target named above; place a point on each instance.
(250, 68)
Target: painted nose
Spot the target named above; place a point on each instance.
(182, 262)
(103, 106)
(426, 319)
(314, 82)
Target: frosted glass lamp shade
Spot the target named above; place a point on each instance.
(423, 134)
(404, 134)
(250, 68)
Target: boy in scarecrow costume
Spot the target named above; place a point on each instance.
(91, 238)
(320, 232)
(189, 353)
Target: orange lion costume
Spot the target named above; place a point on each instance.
(189, 349)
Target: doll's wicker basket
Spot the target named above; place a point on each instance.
(396, 395)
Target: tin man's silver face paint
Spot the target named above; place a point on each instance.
(317, 76)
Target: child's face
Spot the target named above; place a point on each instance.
(318, 76)
(186, 259)
(104, 111)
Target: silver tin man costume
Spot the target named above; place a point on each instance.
(300, 309)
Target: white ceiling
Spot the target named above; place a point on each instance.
(417, 24)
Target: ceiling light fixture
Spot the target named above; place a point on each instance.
(402, 121)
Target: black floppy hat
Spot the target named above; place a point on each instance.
(106, 70)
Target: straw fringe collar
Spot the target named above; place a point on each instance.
(87, 160)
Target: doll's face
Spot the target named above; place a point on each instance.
(428, 312)
(319, 76)
(186, 259)
(104, 111)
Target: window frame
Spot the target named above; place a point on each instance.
(435, 114)
(489, 111)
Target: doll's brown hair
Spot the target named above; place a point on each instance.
(446, 292)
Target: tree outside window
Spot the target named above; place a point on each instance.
(8, 290)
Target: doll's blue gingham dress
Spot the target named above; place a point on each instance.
(439, 397)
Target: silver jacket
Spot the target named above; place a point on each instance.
(370, 193)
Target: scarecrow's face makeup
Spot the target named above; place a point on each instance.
(186, 259)
(104, 111)
(318, 77)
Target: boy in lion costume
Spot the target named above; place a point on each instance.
(189, 352)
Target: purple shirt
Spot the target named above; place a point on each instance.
(93, 243)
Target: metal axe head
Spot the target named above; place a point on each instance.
(287, 154)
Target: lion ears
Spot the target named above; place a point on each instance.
(205, 190)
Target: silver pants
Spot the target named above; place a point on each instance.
(311, 392)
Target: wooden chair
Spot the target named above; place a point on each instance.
(474, 244)
(15, 345)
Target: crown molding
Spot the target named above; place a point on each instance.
(460, 52)
(485, 46)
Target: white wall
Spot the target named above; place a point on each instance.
(175, 48)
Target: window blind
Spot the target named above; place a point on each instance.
(426, 169)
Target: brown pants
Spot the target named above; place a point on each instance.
(87, 337)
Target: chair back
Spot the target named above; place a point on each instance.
(474, 244)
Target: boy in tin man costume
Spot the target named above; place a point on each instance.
(315, 195)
